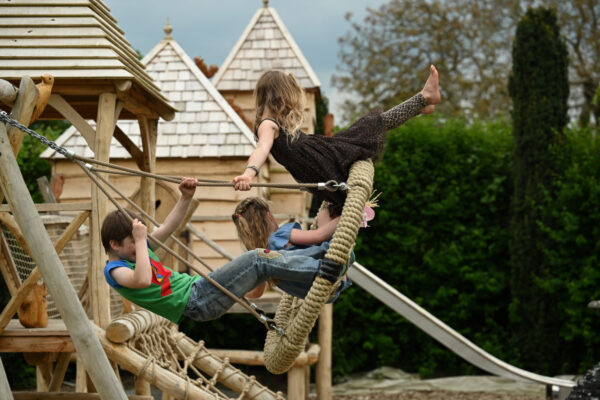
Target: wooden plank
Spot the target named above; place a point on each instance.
(50, 42)
(99, 291)
(50, 53)
(55, 277)
(17, 299)
(72, 63)
(88, 31)
(34, 344)
(56, 327)
(47, 207)
(161, 252)
(5, 392)
(62, 106)
(323, 368)
(69, 396)
(67, 72)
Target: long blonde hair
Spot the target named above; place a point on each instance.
(283, 96)
(251, 223)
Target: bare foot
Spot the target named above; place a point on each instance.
(431, 91)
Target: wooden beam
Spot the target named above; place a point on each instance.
(62, 106)
(132, 149)
(148, 133)
(10, 223)
(62, 362)
(68, 396)
(55, 277)
(8, 93)
(8, 268)
(43, 375)
(99, 290)
(17, 299)
(22, 111)
(49, 207)
(323, 368)
(256, 358)
(33, 344)
(5, 392)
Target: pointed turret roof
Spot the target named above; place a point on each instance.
(205, 126)
(265, 44)
(71, 40)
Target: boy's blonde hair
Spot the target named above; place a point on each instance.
(283, 96)
(250, 219)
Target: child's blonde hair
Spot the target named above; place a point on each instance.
(250, 219)
(283, 96)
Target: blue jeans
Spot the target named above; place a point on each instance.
(246, 272)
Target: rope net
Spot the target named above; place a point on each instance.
(159, 341)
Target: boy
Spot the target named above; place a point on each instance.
(135, 272)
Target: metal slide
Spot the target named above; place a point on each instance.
(441, 332)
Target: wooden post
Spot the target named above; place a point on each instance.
(295, 379)
(323, 369)
(22, 110)
(5, 392)
(80, 377)
(99, 291)
(57, 281)
(148, 133)
(142, 386)
(62, 362)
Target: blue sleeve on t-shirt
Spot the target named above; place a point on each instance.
(109, 267)
(281, 237)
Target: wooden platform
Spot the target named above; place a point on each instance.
(18, 339)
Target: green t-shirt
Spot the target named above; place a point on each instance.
(167, 294)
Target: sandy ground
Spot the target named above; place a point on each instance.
(437, 395)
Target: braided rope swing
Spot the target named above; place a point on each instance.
(298, 317)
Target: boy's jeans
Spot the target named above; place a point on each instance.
(246, 272)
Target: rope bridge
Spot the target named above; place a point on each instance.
(164, 348)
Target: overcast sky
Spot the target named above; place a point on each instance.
(210, 29)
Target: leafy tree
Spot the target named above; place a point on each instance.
(384, 58)
(539, 89)
(580, 23)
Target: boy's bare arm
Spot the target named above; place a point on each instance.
(141, 276)
(187, 187)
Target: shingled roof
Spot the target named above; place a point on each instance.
(265, 44)
(71, 40)
(206, 125)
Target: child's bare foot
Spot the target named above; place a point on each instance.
(431, 91)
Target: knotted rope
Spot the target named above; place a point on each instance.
(281, 350)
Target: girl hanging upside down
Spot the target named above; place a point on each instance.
(315, 158)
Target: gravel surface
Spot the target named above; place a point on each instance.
(436, 395)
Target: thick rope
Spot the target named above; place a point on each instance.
(281, 350)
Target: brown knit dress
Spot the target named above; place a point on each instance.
(317, 158)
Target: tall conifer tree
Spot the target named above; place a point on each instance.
(539, 89)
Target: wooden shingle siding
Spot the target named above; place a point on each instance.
(265, 44)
